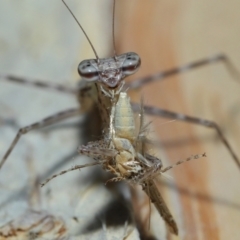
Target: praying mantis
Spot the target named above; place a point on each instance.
(172, 134)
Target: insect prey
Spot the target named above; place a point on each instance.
(125, 153)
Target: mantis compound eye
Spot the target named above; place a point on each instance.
(131, 63)
(87, 71)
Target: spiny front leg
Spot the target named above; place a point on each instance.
(98, 149)
(115, 179)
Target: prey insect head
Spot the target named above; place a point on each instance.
(109, 71)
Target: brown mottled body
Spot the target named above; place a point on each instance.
(151, 190)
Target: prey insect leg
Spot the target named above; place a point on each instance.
(194, 120)
(37, 125)
(137, 83)
(69, 170)
(183, 161)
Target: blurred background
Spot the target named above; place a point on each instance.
(41, 40)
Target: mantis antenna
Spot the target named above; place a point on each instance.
(113, 27)
(82, 29)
